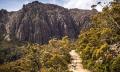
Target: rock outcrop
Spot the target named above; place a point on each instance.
(38, 22)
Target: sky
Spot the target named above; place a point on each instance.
(14, 5)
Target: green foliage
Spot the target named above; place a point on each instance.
(10, 51)
(94, 45)
(55, 56)
(52, 57)
(115, 67)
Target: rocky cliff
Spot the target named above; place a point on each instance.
(38, 22)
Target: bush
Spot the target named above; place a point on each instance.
(115, 67)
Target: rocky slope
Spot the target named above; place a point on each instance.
(38, 22)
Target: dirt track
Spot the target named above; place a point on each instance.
(76, 65)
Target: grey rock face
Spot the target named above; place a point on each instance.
(38, 22)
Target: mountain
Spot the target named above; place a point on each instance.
(37, 22)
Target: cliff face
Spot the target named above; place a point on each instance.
(38, 22)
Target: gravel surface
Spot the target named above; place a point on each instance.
(76, 65)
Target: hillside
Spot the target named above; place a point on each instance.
(99, 46)
(37, 22)
(49, 38)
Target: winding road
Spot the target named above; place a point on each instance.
(76, 65)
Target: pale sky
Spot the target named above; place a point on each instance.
(14, 5)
